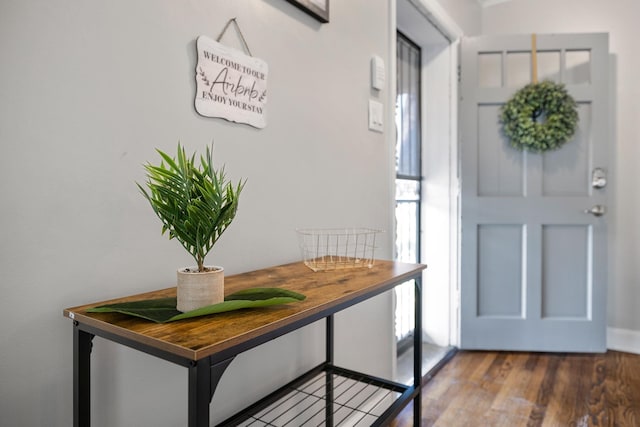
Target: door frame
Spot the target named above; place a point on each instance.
(440, 218)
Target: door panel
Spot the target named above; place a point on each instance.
(533, 263)
(500, 172)
(500, 260)
(564, 290)
(565, 172)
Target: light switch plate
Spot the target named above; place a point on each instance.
(376, 112)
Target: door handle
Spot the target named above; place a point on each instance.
(597, 210)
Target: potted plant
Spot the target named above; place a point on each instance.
(196, 204)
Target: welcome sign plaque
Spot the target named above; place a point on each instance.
(230, 84)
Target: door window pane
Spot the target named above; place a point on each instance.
(549, 65)
(490, 69)
(578, 67)
(518, 69)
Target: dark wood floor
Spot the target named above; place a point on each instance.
(532, 389)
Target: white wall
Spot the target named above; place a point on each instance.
(88, 89)
(465, 13)
(620, 19)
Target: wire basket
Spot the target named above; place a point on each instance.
(333, 249)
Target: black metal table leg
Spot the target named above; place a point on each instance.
(199, 392)
(81, 377)
(329, 374)
(203, 380)
(417, 353)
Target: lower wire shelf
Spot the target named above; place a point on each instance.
(328, 396)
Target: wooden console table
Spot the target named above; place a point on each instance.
(207, 345)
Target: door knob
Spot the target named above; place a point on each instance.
(597, 210)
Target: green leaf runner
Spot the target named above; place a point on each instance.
(163, 310)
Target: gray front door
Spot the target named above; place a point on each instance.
(533, 262)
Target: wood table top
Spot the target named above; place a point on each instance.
(194, 339)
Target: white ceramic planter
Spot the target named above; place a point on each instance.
(197, 290)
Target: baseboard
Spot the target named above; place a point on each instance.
(626, 340)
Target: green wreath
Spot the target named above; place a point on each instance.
(539, 117)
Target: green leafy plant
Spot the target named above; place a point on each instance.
(539, 117)
(196, 204)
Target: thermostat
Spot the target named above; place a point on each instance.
(377, 73)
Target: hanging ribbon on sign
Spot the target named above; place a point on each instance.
(230, 84)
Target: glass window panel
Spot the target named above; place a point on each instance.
(578, 67)
(405, 317)
(407, 230)
(408, 165)
(518, 69)
(408, 110)
(407, 189)
(490, 69)
(549, 66)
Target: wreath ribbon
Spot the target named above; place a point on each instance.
(534, 59)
